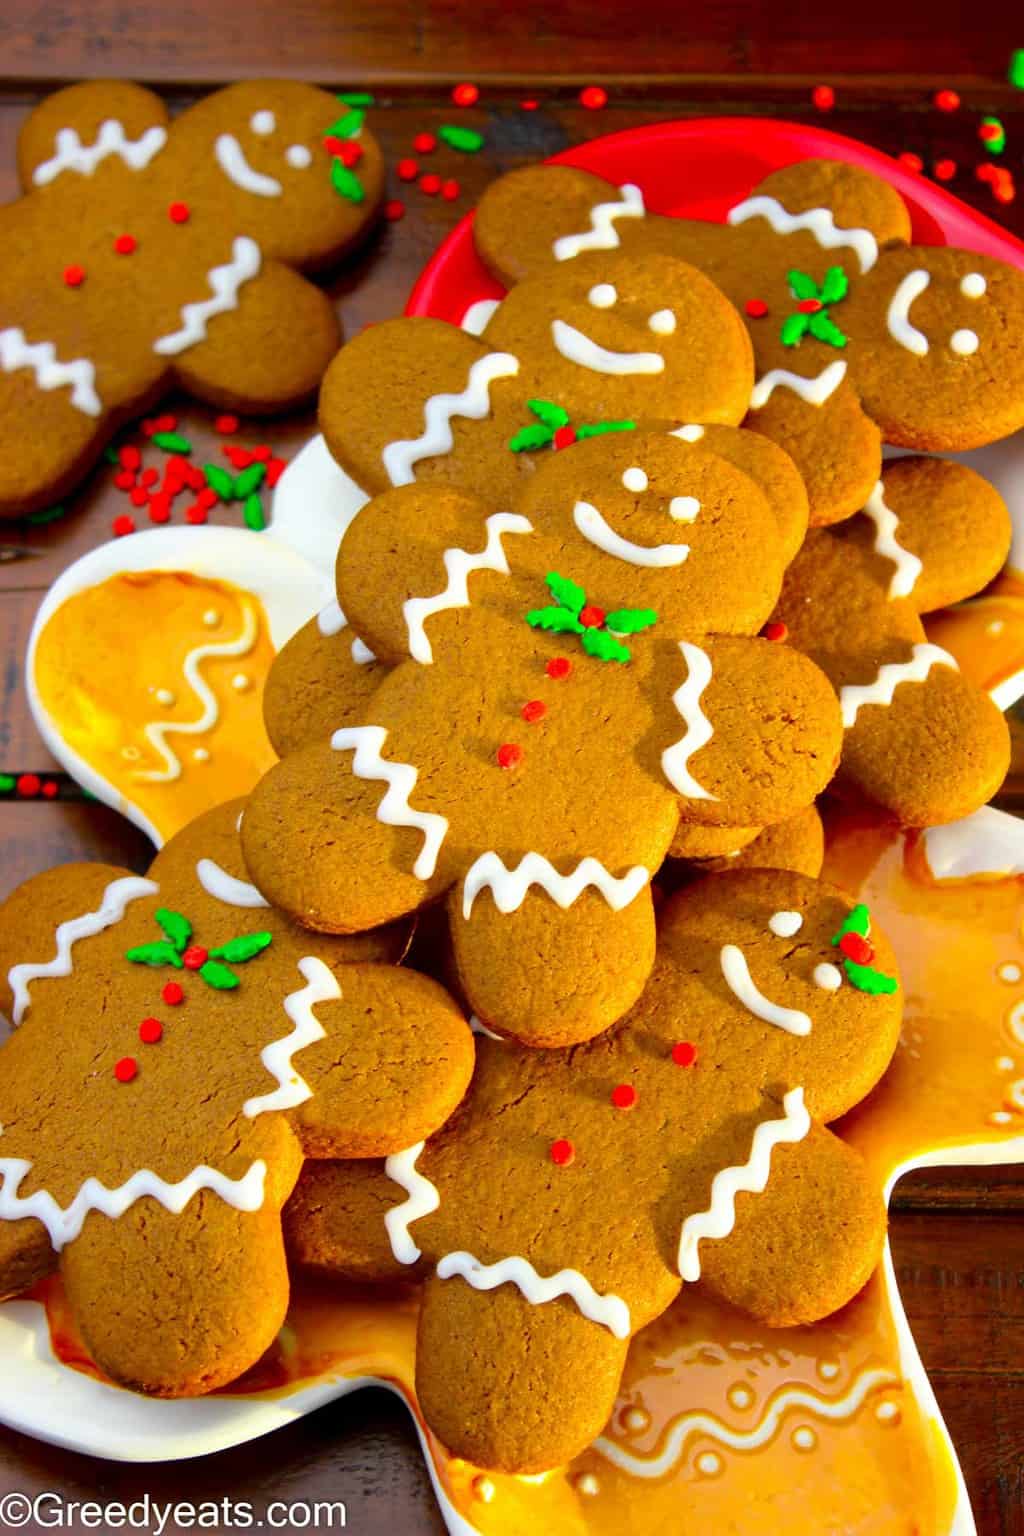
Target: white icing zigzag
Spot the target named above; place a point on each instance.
(216, 882)
(65, 1224)
(225, 282)
(742, 986)
(110, 911)
(321, 987)
(73, 155)
(609, 1310)
(41, 356)
(699, 730)
(474, 402)
(602, 234)
(423, 1199)
(854, 696)
(908, 566)
(819, 221)
(509, 886)
(366, 741)
(750, 1177)
(814, 391)
(459, 563)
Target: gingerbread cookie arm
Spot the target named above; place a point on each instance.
(849, 208)
(818, 420)
(322, 680)
(771, 469)
(89, 129)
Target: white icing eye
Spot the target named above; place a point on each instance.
(688, 434)
(828, 977)
(964, 342)
(603, 295)
(662, 322)
(785, 924)
(683, 508)
(263, 122)
(635, 480)
(298, 156)
(973, 285)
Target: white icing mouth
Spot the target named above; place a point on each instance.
(231, 159)
(743, 987)
(577, 348)
(598, 532)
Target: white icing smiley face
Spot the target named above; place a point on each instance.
(595, 528)
(231, 157)
(963, 341)
(577, 347)
(736, 973)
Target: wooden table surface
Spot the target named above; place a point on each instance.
(958, 1238)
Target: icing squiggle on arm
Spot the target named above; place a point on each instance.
(216, 882)
(699, 729)
(292, 1088)
(474, 403)
(394, 810)
(814, 391)
(423, 1199)
(908, 566)
(459, 563)
(225, 281)
(743, 987)
(854, 696)
(111, 910)
(897, 316)
(819, 221)
(72, 155)
(609, 1310)
(598, 532)
(50, 373)
(509, 886)
(602, 234)
(750, 1177)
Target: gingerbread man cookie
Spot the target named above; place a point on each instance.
(179, 1048)
(858, 336)
(687, 1143)
(570, 678)
(146, 255)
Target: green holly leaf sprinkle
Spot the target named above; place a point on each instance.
(834, 286)
(533, 436)
(866, 979)
(218, 976)
(346, 182)
(253, 513)
(857, 921)
(824, 329)
(7, 783)
(795, 327)
(154, 954)
(347, 126)
(249, 480)
(558, 619)
(220, 481)
(802, 286)
(566, 592)
(596, 428)
(242, 948)
(597, 642)
(629, 621)
(177, 928)
(171, 442)
(356, 98)
(465, 139)
(549, 413)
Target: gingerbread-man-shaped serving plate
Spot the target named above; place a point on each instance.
(718, 1422)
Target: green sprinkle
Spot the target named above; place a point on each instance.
(220, 481)
(346, 182)
(7, 783)
(598, 428)
(171, 442)
(997, 143)
(356, 99)
(249, 480)
(110, 454)
(347, 126)
(465, 139)
(253, 513)
(1016, 70)
(47, 515)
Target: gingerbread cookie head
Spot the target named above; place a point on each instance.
(689, 1143)
(178, 1049)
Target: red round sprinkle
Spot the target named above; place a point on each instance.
(855, 947)
(945, 170)
(564, 438)
(332, 144)
(946, 101)
(28, 785)
(275, 469)
(226, 425)
(74, 275)
(823, 97)
(558, 667)
(125, 480)
(196, 514)
(684, 1054)
(593, 97)
(776, 630)
(150, 1031)
(178, 213)
(809, 306)
(150, 476)
(194, 477)
(207, 498)
(914, 162)
(430, 184)
(167, 423)
(139, 496)
(349, 153)
(624, 1096)
(509, 754)
(160, 508)
(536, 709)
(465, 95)
(126, 1069)
(173, 993)
(262, 453)
(194, 957)
(149, 426)
(237, 456)
(51, 789)
(562, 1153)
(129, 456)
(530, 104)
(424, 143)
(756, 308)
(450, 190)
(591, 617)
(1004, 191)
(407, 170)
(989, 131)
(125, 244)
(122, 525)
(394, 209)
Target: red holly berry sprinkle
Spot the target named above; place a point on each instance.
(946, 101)
(225, 425)
(823, 97)
(593, 97)
(756, 308)
(262, 453)
(160, 508)
(124, 480)
(178, 213)
(51, 789)
(349, 153)
(624, 1096)
(562, 1153)
(809, 306)
(558, 667)
(466, 95)
(126, 1069)
(430, 184)
(139, 496)
(150, 1031)
(275, 469)
(332, 144)
(564, 438)
(407, 170)
(394, 209)
(536, 709)
(989, 132)
(74, 275)
(167, 423)
(684, 1054)
(125, 244)
(129, 456)
(945, 170)
(196, 515)
(450, 190)
(424, 143)
(122, 525)
(173, 993)
(195, 957)
(591, 617)
(150, 476)
(857, 948)
(28, 785)
(776, 630)
(509, 754)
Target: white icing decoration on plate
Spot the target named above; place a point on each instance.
(423, 1199)
(509, 886)
(211, 618)
(603, 295)
(72, 155)
(854, 696)
(818, 221)
(459, 564)
(663, 322)
(699, 730)
(240, 682)
(988, 842)
(603, 536)
(743, 987)
(165, 696)
(973, 285)
(750, 1177)
(292, 1088)
(814, 391)
(473, 402)
(609, 1310)
(785, 924)
(225, 281)
(827, 976)
(231, 159)
(201, 755)
(298, 156)
(216, 882)
(111, 910)
(263, 122)
(897, 317)
(602, 234)
(578, 348)
(65, 1224)
(394, 810)
(908, 566)
(964, 343)
(634, 479)
(50, 373)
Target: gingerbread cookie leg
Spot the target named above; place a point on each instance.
(321, 680)
(69, 425)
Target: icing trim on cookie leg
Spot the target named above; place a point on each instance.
(65, 1224)
(599, 533)
(746, 991)
(813, 391)
(394, 809)
(292, 1089)
(820, 222)
(750, 1177)
(602, 234)
(908, 566)
(225, 281)
(854, 696)
(609, 1310)
(231, 159)
(50, 373)
(424, 1198)
(459, 563)
(699, 729)
(436, 438)
(509, 886)
(216, 882)
(897, 316)
(576, 347)
(72, 155)
(116, 897)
